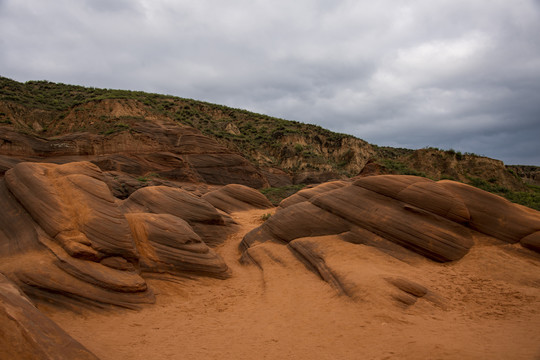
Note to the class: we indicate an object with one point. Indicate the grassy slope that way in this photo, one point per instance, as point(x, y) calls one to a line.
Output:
point(259, 137)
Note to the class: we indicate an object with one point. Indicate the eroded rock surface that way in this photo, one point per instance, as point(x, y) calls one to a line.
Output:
point(66, 238)
point(406, 219)
point(155, 146)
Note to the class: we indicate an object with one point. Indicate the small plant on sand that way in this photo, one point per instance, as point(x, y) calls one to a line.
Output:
point(147, 178)
point(266, 216)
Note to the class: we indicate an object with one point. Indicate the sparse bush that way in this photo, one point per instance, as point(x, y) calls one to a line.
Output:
point(276, 194)
point(400, 168)
point(266, 216)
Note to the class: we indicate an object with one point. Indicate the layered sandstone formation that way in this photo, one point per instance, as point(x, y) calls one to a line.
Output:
point(405, 218)
point(133, 144)
point(66, 238)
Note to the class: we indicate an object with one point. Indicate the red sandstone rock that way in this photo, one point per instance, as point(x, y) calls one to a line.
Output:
point(426, 217)
point(236, 197)
point(28, 334)
point(64, 218)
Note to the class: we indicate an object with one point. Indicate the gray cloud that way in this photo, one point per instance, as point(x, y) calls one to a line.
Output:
point(452, 74)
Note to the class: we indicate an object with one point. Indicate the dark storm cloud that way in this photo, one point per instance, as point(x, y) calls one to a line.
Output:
point(451, 74)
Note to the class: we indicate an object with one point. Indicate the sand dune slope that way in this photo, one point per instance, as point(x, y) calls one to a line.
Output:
point(484, 306)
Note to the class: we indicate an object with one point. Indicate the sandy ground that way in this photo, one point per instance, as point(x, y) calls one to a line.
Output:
point(491, 311)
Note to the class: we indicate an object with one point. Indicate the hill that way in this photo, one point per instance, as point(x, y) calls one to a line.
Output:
point(281, 152)
point(114, 201)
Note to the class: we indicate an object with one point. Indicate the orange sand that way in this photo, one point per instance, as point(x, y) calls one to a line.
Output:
point(491, 311)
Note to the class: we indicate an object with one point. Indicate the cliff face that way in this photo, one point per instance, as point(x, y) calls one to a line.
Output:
point(122, 137)
point(466, 168)
point(529, 174)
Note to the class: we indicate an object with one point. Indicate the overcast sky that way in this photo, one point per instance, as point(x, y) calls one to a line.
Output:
point(461, 74)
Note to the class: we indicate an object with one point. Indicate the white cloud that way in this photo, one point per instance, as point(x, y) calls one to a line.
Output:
point(414, 74)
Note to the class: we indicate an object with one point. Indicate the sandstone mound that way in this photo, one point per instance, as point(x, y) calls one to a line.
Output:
point(66, 238)
point(167, 243)
point(404, 219)
point(310, 192)
point(234, 197)
point(211, 225)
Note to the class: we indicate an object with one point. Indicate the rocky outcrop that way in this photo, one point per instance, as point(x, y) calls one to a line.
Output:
point(513, 222)
point(532, 241)
point(276, 177)
point(529, 174)
point(310, 192)
point(139, 146)
point(401, 216)
point(440, 164)
point(94, 248)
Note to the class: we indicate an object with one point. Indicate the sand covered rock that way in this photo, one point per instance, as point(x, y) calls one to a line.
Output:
point(420, 192)
point(72, 204)
point(342, 208)
point(532, 241)
point(178, 202)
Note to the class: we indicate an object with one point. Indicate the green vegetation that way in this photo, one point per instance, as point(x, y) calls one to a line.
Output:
point(457, 154)
point(527, 198)
point(400, 168)
point(262, 139)
point(276, 194)
point(147, 178)
point(116, 128)
point(258, 133)
point(266, 216)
